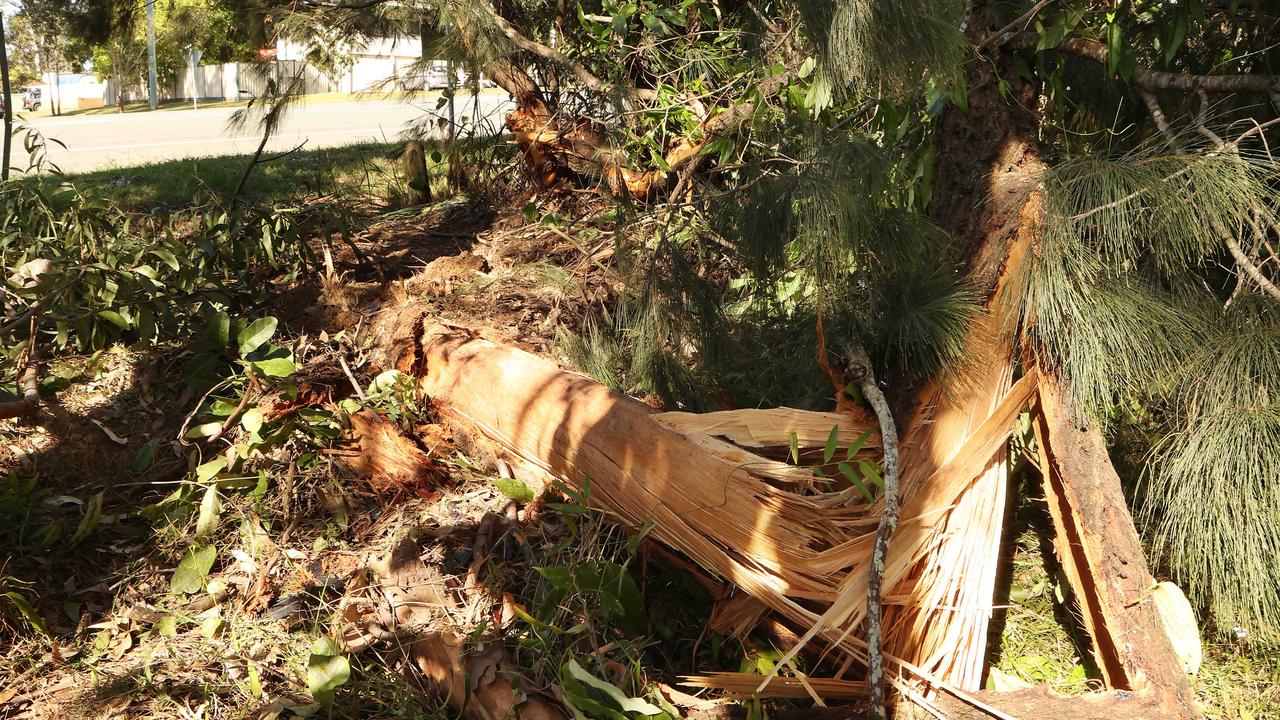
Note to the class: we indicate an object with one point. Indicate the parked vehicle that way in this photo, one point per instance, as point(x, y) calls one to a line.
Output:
point(31, 99)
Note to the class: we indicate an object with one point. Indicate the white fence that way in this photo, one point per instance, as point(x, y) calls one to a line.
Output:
point(238, 81)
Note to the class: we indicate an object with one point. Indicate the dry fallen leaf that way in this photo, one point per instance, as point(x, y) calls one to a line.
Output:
point(111, 434)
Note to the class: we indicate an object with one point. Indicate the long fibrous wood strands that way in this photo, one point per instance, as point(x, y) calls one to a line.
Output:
point(742, 516)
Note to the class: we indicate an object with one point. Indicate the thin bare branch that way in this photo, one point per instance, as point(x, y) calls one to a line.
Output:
point(1247, 265)
point(862, 373)
point(1145, 77)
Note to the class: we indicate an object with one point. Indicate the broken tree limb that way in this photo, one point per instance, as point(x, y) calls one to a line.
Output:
point(385, 457)
point(1041, 703)
point(29, 385)
point(724, 509)
point(1100, 550)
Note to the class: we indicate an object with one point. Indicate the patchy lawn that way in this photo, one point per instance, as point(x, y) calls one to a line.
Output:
point(361, 168)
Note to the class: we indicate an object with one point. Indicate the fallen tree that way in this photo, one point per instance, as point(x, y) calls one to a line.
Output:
point(760, 525)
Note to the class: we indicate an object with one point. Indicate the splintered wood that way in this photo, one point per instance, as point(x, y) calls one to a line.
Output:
point(799, 548)
point(800, 545)
point(746, 518)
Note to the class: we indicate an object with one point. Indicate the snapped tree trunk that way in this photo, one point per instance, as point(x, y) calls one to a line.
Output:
point(986, 196)
point(730, 512)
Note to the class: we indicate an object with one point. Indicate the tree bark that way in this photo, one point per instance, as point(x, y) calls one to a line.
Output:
point(8, 102)
point(1104, 559)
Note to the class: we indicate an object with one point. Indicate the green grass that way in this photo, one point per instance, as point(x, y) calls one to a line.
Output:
point(179, 183)
point(1236, 683)
point(1035, 644)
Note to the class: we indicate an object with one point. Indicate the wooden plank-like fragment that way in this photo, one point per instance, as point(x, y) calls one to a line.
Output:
point(1104, 559)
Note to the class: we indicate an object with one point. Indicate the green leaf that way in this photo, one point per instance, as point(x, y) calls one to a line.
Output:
point(960, 92)
point(818, 96)
point(275, 367)
point(326, 671)
point(222, 407)
point(653, 23)
point(830, 450)
point(191, 572)
point(259, 490)
point(1120, 58)
point(856, 481)
point(857, 444)
point(169, 259)
point(167, 626)
point(146, 455)
point(1053, 35)
point(558, 576)
point(1172, 34)
point(220, 330)
point(92, 514)
point(210, 470)
point(257, 333)
point(627, 704)
point(210, 509)
point(633, 542)
point(114, 318)
point(27, 612)
point(385, 380)
point(202, 370)
point(252, 420)
point(795, 448)
point(515, 490)
point(806, 67)
point(871, 472)
point(203, 430)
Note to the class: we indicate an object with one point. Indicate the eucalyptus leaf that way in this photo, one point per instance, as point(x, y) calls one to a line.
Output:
point(626, 704)
point(210, 470)
point(190, 574)
point(830, 450)
point(210, 509)
point(515, 490)
point(256, 334)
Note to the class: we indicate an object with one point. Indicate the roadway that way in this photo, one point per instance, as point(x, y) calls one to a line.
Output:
point(99, 142)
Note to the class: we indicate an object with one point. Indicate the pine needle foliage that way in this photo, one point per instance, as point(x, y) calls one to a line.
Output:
point(1125, 296)
point(1112, 283)
point(880, 275)
point(885, 46)
point(1211, 493)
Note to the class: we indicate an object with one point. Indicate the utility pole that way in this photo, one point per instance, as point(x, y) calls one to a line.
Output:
point(153, 90)
point(193, 55)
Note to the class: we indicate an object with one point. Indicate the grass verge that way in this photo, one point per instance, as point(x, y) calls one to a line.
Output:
point(360, 167)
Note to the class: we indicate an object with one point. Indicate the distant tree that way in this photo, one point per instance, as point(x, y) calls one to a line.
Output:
point(113, 36)
point(25, 50)
point(42, 44)
point(123, 59)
